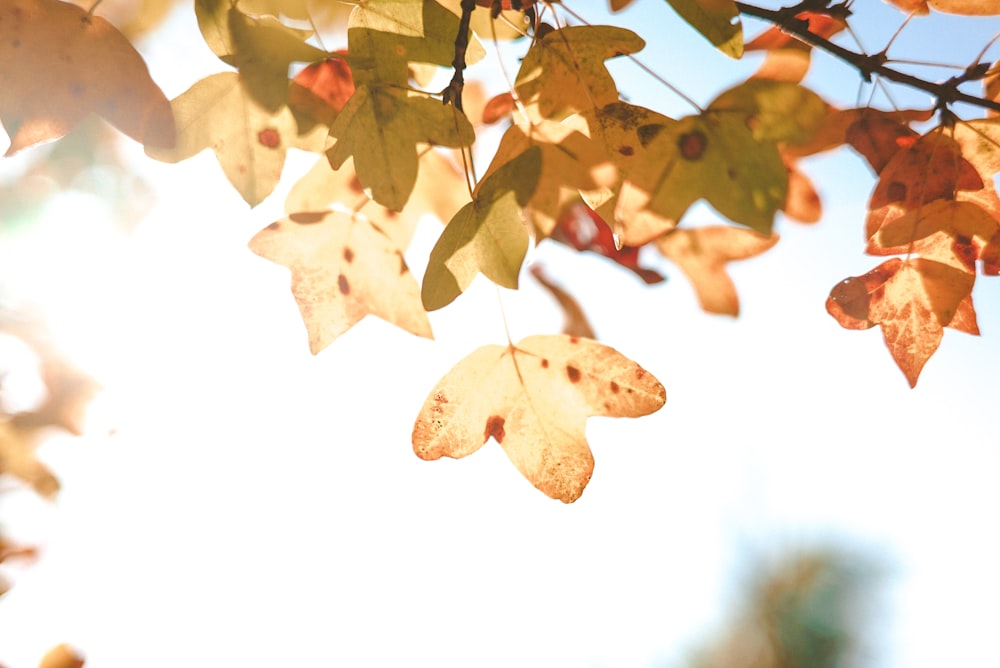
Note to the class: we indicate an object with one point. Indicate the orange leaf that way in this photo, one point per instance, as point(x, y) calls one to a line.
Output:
point(878, 137)
point(342, 270)
point(932, 168)
point(60, 64)
point(534, 400)
point(833, 131)
point(61, 656)
point(322, 89)
point(912, 300)
point(702, 254)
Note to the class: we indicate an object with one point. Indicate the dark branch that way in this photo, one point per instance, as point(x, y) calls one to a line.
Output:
point(944, 93)
point(453, 93)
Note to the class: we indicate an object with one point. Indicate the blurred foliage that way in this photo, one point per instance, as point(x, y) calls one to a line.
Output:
point(806, 611)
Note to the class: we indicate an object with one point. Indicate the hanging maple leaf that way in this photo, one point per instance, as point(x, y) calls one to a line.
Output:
point(488, 235)
point(564, 71)
point(320, 91)
point(249, 140)
point(702, 254)
point(59, 63)
point(381, 126)
point(343, 268)
point(533, 399)
point(913, 300)
point(261, 48)
point(717, 20)
point(713, 157)
point(584, 229)
point(949, 231)
point(930, 168)
point(385, 36)
point(570, 162)
point(440, 190)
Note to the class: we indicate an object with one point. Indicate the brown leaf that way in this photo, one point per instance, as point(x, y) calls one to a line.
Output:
point(534, 399)
point(913, 300)
point(68, 64)
point(576, 320)
point(702, 254)
point(343, 269)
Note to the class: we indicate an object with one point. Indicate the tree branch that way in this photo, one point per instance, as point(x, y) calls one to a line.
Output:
point(944, 93)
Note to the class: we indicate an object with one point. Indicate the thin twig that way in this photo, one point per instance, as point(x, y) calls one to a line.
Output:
point(945, 93)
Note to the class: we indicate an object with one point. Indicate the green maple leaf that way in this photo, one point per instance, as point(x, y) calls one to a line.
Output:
point(381, 127)
point(779, 111)
point(717, 20)
point(261, 48)
point(488, 235)
point(249, 140)
point(384, 36)
point(714, 157)
point(564, 72)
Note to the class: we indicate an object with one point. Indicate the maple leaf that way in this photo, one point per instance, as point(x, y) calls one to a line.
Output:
point(342, 270)
point(967, 7)
point(381, 127)
point(913, 300)
point(778, 111)
point(321, 90)
point(702, 254)
point(533, 399)
point(930, 168)
point(487, 235)
point(440, 190)
point(570, 162)
point(944, 230)
point(564, 71)
point(249, 140)
point(717, 20)
point(59, 63)
point(384, 36)
point(713, 157)
point(584, 229)
point(261, 48)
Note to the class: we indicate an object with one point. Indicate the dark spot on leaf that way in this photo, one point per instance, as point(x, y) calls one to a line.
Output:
point(574, 339)
point(692, 144)
point(306, 217)
point(614, 387)
point(640, 372)
point(269, 137)
point(345, 287)
point(494, 428)
point(348, 254)
point(896, 191)
point(15, 42)
point(732, 173)
point(647, 133)
point(545, 363)
point(573, 373)
point(965, 251)
point(626, 150)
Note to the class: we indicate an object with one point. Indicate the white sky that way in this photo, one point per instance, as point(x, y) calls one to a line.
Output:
point(259, 506)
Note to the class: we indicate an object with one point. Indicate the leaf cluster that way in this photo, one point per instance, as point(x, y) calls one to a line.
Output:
point(576, 163)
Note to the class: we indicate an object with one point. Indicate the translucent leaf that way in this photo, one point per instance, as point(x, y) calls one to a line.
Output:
point(534, 399)
point(717, 20)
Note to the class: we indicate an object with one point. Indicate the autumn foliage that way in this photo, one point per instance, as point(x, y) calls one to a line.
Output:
point(576, 163)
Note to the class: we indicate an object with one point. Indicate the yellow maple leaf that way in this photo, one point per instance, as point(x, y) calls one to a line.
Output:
point(343, 268)
point(533, 399)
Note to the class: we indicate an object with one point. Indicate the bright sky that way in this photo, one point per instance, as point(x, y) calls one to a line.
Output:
point(259, 506)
